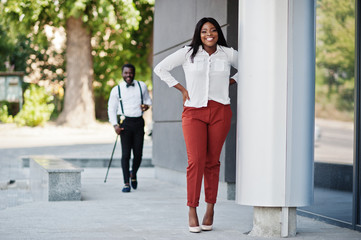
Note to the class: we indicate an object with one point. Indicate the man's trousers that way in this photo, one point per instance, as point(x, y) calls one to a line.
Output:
point(132, 138)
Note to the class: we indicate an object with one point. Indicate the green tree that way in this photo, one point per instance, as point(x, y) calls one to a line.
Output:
point(6, 47)
point(112, 55)
point(335, 41)
point(91, 27)
point(14, 51)
point(335, 52)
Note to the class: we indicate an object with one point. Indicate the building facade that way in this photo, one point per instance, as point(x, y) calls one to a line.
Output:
point(174, 23)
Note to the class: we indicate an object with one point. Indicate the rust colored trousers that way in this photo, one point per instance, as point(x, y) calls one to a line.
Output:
point(205, 130)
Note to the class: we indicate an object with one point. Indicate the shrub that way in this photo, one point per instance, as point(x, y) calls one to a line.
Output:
point(4, 115)
point(36, 109)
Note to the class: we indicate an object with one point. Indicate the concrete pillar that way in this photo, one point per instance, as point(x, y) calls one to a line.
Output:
point(274, 221)
point(275, 113)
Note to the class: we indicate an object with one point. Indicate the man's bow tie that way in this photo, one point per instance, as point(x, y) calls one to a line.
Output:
point(130, 84)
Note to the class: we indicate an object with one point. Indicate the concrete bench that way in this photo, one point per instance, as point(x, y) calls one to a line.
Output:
point(53, 179)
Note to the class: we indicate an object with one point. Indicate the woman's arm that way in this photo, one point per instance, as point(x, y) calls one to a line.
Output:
point(183, 91)
point(234, 63)
point(167, 64)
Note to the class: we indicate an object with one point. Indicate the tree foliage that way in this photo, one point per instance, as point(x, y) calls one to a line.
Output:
point(335, 39)
point(114, 26)
point(112, 53)
point(14, 51)
point(335, 51)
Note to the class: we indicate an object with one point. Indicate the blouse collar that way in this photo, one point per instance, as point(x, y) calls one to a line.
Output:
point(201, 49)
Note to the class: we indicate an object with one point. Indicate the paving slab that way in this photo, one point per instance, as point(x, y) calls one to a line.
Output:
point(156, 210)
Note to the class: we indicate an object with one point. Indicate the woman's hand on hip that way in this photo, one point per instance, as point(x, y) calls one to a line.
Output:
point(183, 91)
point(185, 96)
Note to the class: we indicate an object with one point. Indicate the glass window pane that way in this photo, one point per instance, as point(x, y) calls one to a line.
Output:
point(334, 110)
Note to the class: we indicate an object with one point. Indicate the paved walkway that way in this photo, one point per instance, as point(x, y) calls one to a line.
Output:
point(156, 210)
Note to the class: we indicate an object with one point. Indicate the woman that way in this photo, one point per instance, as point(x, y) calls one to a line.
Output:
point(206, 117)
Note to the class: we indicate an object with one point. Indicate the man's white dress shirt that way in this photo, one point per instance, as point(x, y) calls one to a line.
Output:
point(131, 99)
point(207, 77)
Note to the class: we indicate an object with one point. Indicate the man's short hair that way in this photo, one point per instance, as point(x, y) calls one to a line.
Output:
point(128, 65)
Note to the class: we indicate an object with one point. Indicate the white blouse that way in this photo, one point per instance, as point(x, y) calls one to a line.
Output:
point(207, 78)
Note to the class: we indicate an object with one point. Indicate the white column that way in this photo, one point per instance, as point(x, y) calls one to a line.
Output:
point(275, 120)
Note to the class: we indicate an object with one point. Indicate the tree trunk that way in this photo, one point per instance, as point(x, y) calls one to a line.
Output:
point(79, 107)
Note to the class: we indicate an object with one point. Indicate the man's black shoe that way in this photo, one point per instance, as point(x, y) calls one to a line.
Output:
point(134, 183)
point(126, 188)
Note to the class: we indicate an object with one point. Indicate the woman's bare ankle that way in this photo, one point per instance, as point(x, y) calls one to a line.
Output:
point(193, 217)
point(208, 216)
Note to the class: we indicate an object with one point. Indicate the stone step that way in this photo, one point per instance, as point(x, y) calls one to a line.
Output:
point(94, 162)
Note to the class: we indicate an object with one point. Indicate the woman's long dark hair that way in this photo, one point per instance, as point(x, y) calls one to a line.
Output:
point(196, 41)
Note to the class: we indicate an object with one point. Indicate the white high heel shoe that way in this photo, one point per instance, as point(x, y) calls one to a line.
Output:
point(195, 229)
point(207, 227)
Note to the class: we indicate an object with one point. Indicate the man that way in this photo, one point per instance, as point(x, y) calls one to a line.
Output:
point(126, 105)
